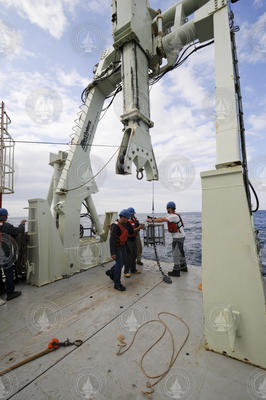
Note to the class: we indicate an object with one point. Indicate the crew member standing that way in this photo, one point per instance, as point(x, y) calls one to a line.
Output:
point(7, 233)
point(176, 228)
point(118, 239)
point(131, 245)
point(138, 240)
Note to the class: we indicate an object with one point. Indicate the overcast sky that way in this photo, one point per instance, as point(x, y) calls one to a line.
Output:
point(50, 47)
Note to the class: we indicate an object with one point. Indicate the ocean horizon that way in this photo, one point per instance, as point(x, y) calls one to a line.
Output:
point(192, 222)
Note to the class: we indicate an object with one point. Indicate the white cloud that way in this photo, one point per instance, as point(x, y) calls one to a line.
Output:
point(181, 127)
point(47, 14)
point(257, 124)
point(252, 41)
point(72, 78)
point(258, 3)
point(11, 40)
point(100, 6)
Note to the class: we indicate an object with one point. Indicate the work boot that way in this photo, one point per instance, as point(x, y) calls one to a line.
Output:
point(127, 274)
point(119, 286)
point(175, 272)
point(137, 271)
point(139, 263)
point(13, 295)
point(183, 268)
point(2, 302)
point(109, 273)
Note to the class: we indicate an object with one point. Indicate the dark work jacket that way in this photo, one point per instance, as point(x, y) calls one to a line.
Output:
point(114, 236)
point(9, 229)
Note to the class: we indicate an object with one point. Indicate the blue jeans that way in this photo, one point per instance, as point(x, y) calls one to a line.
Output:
point(120, 261)
point(131, 250)
point(9, 274)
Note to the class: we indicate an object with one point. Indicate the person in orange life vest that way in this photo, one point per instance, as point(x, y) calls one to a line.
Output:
point(131, 245)
point(118, 239)
point(176, 228)
point(138, 240)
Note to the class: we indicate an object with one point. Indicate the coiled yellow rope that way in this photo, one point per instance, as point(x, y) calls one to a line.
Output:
point(173, 356)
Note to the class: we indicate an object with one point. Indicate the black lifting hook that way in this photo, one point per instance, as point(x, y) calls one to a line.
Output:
point(140, 174)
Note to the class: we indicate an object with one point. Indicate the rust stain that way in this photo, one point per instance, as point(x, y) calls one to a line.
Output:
point(8, 354)
point(93, 304)
point(224, 353)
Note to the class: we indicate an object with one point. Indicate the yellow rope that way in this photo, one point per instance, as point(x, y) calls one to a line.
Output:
point(173, 356)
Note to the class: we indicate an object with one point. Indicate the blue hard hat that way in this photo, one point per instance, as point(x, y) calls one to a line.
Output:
point(171, 204)
point(131, 211)
point(124, 213)
point(3, 212)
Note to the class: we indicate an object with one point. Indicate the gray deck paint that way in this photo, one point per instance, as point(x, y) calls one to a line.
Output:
point(87, 307)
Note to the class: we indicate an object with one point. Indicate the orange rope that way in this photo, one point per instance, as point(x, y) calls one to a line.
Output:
point(173, 356)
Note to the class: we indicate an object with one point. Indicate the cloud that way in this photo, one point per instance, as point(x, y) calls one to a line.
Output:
point(100, 6)
point(47, 14)
point(257, 124)
point(258, 3)
point(183, 127)
point(11, 40)
point(252, 41)
point(72, 78)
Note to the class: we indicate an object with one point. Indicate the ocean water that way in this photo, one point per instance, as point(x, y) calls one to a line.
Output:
point(192, 222)
point(192, 244)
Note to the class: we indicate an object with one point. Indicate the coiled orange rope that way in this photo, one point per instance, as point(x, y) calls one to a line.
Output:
point(173, 356)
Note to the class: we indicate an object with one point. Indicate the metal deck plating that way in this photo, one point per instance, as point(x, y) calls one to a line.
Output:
point(87, 307)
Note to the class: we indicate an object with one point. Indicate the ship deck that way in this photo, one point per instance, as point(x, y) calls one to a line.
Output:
point(87, 307)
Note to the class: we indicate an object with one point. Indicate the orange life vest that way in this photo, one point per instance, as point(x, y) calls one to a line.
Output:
point(133, 221)
point(175, 226)
point(121, 240)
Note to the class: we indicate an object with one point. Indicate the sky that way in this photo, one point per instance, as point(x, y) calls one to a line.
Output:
point(48, 50)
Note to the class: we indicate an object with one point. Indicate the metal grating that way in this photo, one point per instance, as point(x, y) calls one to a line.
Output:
point(7, 145)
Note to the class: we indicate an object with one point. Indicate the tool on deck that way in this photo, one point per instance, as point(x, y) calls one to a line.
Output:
point(54, 344)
